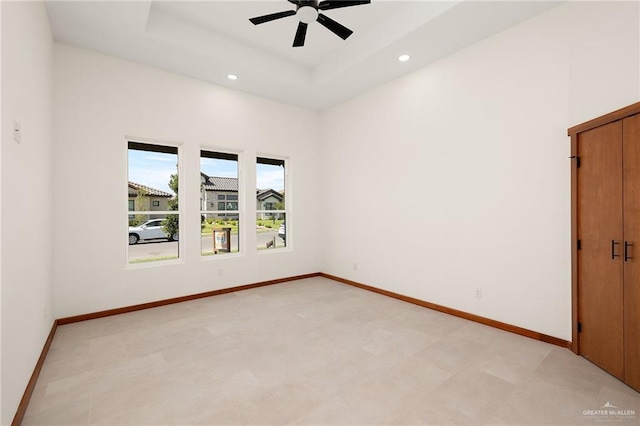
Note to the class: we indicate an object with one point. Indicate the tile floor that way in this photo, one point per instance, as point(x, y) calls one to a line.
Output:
point(313, 352)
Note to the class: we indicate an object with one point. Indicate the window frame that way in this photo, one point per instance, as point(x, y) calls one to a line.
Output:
point(170, 145)
point(221, 199)
point(287, 201)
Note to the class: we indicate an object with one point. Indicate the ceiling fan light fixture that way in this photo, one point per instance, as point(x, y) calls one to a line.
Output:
point(232, 76)
point(308, 11)
point(307, 14)
point(404, 58)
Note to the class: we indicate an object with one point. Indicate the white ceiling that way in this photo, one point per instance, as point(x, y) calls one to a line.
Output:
point(208, 40)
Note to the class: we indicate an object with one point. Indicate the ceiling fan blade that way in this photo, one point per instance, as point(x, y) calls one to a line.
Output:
point(301, 33)
point(335, 4)
point(272, 17)
point(338, 29)
point(296, 2)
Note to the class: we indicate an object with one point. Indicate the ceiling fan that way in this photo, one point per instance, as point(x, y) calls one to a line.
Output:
point(308, 11)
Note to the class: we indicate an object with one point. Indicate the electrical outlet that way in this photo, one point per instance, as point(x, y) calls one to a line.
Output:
point(16, 131)
point(479, 293)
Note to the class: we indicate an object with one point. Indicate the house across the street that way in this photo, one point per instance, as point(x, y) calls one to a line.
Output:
point(221, 194)
point(268, 199)
point(145, 198)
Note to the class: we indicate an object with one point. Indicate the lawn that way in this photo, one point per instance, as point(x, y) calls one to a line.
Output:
point(262, 225)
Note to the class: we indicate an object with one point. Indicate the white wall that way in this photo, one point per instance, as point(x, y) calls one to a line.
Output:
point(27, 220)
point(465, 165)
point(603, 47)
point(1, 138)
point(98, 100)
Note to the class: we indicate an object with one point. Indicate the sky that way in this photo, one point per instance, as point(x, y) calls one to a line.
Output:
point(154, 169)
point(268, 176)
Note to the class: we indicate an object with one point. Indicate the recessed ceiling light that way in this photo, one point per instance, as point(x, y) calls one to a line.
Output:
point(404, 58)
point(232, 77)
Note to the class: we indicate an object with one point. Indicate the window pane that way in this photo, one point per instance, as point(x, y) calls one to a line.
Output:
point(270, 203)
point(153, 176)
point(154, 238)
point(270, 175)
point(271, 231)
point(220, 235)
point(219, 219)
point(152, 186)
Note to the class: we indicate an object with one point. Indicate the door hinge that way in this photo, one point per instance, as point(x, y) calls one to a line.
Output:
point(579, 245)
point(579, 327)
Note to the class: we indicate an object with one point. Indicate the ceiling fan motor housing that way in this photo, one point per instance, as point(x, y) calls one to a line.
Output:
point(307, 11)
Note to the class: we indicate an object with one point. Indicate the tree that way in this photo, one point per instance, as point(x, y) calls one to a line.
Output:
point(170, 225)
point(141, 205)
point(279, 206)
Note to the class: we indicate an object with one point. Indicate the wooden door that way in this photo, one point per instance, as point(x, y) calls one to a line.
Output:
point(631, 173)
point(600, 231)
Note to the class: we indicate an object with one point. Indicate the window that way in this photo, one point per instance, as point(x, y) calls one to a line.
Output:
point(271, 208)
point(132, 206)
point(220, 226)
point(152, 173)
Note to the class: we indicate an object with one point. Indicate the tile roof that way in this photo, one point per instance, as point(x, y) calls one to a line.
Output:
point(134, 187)
point(215, 183)
point(263, 194)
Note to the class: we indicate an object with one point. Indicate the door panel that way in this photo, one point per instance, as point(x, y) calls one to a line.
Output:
point(631, 173)
point(600, 222)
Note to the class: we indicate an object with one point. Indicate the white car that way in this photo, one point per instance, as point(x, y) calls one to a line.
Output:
point(150, 230)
